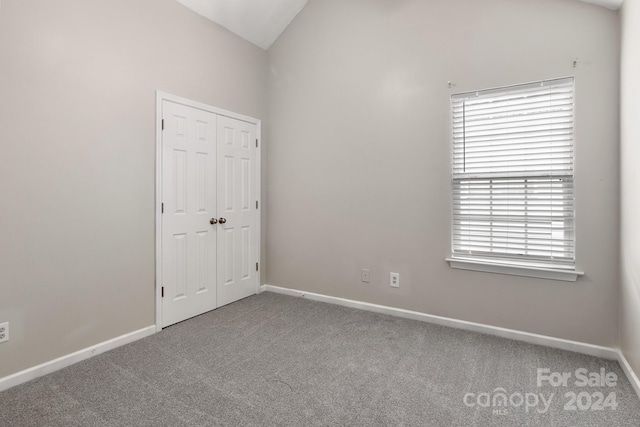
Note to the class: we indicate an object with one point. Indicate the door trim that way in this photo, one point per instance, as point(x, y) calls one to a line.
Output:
point(163, 96)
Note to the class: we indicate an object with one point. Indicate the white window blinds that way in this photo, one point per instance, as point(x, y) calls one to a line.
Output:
point(513, 197)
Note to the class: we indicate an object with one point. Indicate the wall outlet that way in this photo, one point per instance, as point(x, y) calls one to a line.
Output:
point(394, 280)
point(4, 331)
point(364, 276)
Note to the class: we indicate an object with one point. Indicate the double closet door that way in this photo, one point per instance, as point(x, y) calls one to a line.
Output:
point(209, 226)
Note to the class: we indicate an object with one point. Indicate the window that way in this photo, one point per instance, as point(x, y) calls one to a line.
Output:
point(512, 176)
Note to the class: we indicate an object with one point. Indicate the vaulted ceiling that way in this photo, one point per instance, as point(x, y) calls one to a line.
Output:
point(262, 21)
point(258, 21)
point(609, 4)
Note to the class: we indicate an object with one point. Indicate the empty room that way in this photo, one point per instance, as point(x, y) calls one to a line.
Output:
point(320, 213)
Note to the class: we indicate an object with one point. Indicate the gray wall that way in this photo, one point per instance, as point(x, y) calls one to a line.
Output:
point(77, 127)
point(630, 185)
point(359, 173)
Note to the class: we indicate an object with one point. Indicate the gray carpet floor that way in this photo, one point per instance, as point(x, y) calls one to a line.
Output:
point(273, 360)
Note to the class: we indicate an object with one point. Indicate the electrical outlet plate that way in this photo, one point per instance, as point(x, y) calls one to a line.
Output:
point(364, 276)
point(394, 280)
point(4, 331)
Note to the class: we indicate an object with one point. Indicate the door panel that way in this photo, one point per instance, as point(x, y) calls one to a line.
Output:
point(237, 195)
point(189, 241)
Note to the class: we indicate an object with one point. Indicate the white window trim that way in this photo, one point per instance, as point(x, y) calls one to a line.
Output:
point(514, 267)
point(567, 275)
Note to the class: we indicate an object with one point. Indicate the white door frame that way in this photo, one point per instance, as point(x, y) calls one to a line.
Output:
point(160, 97)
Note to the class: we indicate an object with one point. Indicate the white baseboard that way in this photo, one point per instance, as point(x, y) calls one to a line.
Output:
point(69, 359)
point(559, 343)
point(575, 346)
point(589, 349)
point(628, 371)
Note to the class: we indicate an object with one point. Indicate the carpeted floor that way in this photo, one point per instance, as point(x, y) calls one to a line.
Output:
point(273, 360)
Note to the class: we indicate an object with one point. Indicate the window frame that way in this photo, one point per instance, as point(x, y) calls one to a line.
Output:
point(518, 264)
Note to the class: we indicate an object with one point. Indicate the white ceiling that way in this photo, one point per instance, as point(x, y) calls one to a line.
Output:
point(609, 4)
point(258, 21)
point(262, 21)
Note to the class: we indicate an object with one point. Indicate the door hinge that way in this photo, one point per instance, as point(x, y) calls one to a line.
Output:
point(162, 208)
point(162, 292)
point(256, 142)
point(256, 204)
point(256, 266)
point(162, 124)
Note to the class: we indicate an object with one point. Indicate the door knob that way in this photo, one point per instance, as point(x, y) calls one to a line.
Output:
point(222, 220)
point(213, 221)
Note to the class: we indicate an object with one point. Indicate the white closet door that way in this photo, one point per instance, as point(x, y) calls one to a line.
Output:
point(237, 197)
point(189, 240)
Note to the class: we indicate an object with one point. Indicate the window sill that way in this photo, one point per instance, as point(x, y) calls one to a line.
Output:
point(515, 270)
